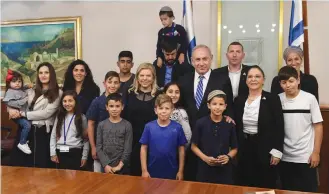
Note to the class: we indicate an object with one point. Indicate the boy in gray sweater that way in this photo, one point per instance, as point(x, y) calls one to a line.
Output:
point(16, 97)
point(114, 138)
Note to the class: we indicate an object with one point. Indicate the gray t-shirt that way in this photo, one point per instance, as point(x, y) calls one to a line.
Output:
point(114, 142)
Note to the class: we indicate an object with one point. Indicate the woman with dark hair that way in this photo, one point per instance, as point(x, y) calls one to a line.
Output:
point(172, 89)
point(78, 77)
point(68, 148)
point(293, 56)
point(43, 103)
point(260, 131)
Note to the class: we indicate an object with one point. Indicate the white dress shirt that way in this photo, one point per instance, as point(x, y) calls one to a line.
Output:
point(204, 81)
point(235, 80)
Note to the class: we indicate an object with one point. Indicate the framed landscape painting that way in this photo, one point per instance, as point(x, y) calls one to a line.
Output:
point(27, 43)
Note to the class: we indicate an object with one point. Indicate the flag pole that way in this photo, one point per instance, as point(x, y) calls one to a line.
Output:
point(305, 43)
point(280, 52)
point(187, 22)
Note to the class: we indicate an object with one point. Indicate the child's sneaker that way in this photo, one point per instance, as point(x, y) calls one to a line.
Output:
point(25, 148)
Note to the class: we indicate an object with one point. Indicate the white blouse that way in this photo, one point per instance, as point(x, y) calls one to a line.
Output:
point(250, 116)
point(250, 121)
point(180, 116)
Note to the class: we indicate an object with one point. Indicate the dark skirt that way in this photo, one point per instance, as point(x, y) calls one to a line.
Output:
point(252, 171)
point(70, 160)
point(39, 144)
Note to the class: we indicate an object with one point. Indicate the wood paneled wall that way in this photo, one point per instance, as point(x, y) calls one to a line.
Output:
point(324, 163)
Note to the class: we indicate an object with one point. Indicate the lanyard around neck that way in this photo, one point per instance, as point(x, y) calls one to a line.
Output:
point(65, 133)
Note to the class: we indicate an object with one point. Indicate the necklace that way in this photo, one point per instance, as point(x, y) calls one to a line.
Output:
point(252, 99)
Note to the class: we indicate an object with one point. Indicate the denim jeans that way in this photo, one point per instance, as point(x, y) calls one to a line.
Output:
point(25, 125)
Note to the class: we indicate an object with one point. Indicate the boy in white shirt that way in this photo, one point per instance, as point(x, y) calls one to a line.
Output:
point(303, 134)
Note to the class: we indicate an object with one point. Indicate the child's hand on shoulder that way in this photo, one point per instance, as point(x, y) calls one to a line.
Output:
point(108, 169)
point(146, 174)
point(229, 120)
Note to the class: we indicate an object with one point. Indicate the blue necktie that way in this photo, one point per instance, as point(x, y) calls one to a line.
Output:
point(199, 92)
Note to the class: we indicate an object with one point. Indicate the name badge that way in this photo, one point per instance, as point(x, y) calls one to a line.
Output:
point(64, 148)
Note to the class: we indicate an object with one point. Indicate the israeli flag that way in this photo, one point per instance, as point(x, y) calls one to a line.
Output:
point(188, 25)
point(296, 30)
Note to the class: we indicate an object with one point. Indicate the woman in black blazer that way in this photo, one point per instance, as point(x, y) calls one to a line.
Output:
point(294, 56)
point(260, 129)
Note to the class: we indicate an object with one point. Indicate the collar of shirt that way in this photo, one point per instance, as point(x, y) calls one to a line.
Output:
point(228, 66)
point(206, 76)
point(170, 65)
point(204, 81)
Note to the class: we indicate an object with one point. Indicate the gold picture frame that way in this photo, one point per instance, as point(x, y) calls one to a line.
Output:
point(27, 43)
point(219, 33)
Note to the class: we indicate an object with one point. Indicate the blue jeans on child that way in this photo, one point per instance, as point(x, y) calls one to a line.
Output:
point(25, 125)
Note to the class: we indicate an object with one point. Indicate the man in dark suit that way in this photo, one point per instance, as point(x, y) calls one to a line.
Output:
point(235, 69)
point(196, 103)
point(196, 86)
point(171, 70)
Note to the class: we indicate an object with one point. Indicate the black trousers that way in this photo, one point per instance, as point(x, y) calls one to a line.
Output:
point(70, 160)
point(298, 177)
point(135, 161)
point(39, 144)
point(252, 171)
point(191, 167)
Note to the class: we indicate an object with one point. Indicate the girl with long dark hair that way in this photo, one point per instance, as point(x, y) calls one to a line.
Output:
point(172, 89)
point(67, 146)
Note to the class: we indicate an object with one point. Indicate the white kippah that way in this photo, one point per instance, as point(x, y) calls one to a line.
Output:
point(215, 93)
